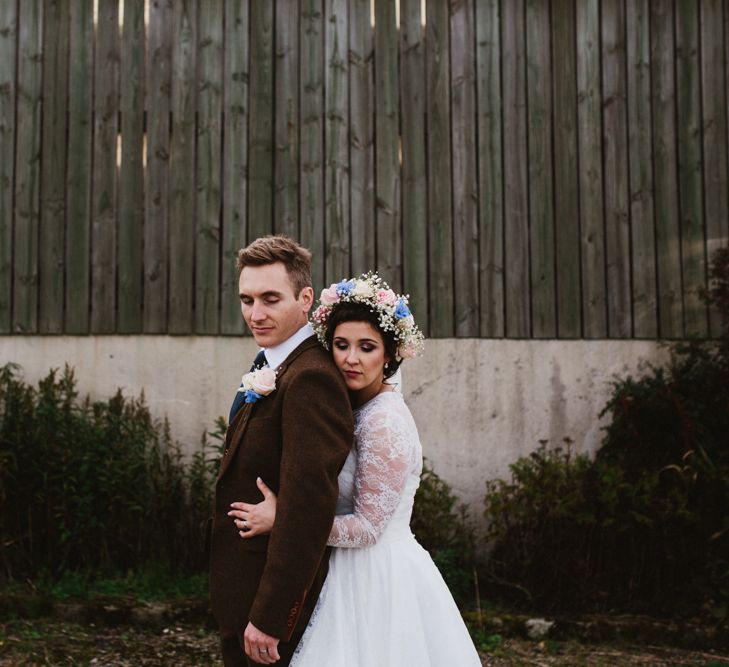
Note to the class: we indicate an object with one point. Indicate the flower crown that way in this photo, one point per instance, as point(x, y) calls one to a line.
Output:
point(392, 310)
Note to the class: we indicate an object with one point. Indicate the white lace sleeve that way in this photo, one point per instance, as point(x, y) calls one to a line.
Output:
point(384, 461)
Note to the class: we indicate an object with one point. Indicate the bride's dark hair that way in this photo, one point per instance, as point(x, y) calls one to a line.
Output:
point(359, 312)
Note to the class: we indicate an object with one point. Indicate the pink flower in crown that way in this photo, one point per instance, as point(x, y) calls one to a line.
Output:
point(329, 296)
point(386, 296)
point(407, 351)
point(321, 314)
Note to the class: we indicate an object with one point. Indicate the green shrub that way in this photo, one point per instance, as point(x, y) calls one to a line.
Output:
point(94, 486)
point(440, 525)
point(645, 525)
point(567, 532)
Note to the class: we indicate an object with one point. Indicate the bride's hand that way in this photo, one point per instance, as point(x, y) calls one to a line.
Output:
point(255, 519)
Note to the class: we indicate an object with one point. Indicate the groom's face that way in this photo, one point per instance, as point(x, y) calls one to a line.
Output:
point(270, 308)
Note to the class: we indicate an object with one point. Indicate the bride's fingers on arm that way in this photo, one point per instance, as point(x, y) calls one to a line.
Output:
point(237, 514)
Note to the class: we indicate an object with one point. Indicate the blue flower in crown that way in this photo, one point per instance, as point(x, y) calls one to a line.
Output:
point(401, 309)
point(345, 287)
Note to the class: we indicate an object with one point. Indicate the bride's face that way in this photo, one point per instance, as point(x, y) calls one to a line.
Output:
point(359, 353)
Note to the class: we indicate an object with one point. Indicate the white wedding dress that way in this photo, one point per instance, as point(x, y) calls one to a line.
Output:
point(384, 603)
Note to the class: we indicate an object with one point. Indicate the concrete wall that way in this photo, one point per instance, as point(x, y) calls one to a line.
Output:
point(479, 404)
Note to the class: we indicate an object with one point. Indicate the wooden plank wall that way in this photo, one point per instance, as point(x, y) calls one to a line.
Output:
point(522, 168)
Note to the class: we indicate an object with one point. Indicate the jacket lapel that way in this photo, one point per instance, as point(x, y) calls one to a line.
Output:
point(238, 426)
point(240, 421)
point(310, 342)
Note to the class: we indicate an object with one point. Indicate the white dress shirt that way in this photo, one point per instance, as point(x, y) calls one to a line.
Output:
point(277, 354)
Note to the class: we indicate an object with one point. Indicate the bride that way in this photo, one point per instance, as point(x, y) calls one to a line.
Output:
point(384, 603)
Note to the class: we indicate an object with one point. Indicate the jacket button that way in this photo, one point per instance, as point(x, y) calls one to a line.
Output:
point(225, 453)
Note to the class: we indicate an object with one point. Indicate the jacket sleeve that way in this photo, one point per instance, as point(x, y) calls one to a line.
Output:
point(316, 438)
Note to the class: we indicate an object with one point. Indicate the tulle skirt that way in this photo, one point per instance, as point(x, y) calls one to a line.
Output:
point(385, 606)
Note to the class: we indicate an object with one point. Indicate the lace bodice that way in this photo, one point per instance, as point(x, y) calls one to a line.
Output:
point(378, 482)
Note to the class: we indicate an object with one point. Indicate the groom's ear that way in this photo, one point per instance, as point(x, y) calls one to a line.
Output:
point(306, 297)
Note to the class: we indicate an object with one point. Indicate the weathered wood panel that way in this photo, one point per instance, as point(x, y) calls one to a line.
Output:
point(8, 50)
point(640, 140)
point(53, 166)
point(157, 170)
point(440, 243)
point(235, 159)
point(490, 185)
point(516, 195)
point(260, 130)
point(387, 148)
point(104, 187)
point(311, 85)
point(690, 187)
point(665, 161)
point(182, 169)
point(615, 156)
point(541, 177)
point(361, 137)
point(208, 165)
point(714, 127)
point(465, 181)
point(336, 142)
point(566, 176)
point(286, 120)
point(589, 123)
point(78, 178)
point(130, 251)
point(414, 176)
point(27, 167)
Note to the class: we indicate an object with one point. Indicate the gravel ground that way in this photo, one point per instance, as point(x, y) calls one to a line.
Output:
point(49, 642)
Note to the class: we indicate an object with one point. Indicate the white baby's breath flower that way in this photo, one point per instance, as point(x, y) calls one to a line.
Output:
point(363, 290)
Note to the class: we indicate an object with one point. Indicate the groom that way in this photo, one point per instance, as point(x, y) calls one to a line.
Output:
point(295, 438)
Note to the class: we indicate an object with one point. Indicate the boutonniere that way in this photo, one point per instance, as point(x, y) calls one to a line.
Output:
point(258, 383)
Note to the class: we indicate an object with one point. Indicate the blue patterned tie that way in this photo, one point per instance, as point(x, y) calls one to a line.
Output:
point(240, 398)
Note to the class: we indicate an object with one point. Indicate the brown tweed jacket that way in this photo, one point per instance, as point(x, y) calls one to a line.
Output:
point(296, 439)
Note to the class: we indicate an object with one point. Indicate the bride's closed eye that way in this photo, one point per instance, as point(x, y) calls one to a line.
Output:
point(365, 346)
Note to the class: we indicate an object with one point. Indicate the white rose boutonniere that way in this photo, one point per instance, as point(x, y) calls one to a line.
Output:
point(258, 383)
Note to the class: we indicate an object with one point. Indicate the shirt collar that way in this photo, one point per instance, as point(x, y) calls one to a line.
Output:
point(277, 354)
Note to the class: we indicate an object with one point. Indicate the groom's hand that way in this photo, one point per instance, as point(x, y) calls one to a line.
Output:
point(259, 646)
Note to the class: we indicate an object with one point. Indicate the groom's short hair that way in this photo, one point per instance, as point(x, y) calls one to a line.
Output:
point(279, 248)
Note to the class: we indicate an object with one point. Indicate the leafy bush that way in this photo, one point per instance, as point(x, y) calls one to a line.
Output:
point(571, 533)
point(154, 582)
point(440, 525)
point(94, 486)
point(645, 525)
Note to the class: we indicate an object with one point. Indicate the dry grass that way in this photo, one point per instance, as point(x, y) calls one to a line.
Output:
point(54, 643)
